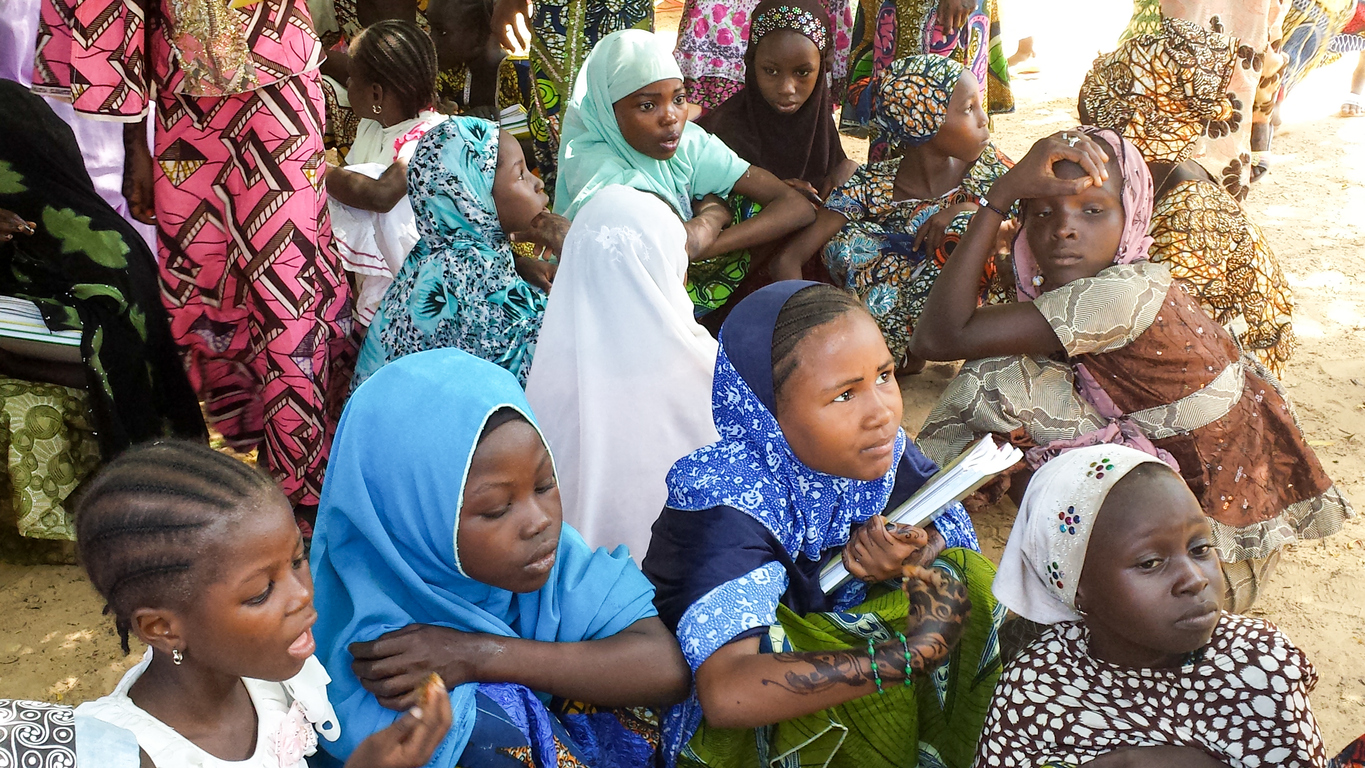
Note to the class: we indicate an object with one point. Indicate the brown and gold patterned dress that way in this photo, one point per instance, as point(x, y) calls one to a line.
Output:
point(1176, 375)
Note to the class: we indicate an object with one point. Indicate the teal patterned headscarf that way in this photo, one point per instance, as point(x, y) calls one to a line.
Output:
point(459, 286)
point(911, 101)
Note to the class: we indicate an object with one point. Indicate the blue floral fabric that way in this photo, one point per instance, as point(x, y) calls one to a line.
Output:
point(513, 728)
point(753, 469)
point(459, 286)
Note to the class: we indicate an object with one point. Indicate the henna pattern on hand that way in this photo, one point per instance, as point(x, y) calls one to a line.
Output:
point(829, 669)
point(939, 607)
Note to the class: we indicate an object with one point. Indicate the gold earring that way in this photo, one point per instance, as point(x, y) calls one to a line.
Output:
point(375, 108)
point(176, 656)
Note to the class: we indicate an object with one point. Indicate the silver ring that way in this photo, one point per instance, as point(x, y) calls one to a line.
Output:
point(1071, 140)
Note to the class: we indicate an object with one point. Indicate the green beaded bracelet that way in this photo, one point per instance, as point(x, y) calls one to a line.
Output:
point(906, 645)
point(876, 676)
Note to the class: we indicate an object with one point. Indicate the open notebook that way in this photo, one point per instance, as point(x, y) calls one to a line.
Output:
point(959, 479)
point(23, 332)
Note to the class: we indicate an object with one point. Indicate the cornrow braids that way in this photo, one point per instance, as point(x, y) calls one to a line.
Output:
point(146, 521)
point(399, 57)
point(806, 310)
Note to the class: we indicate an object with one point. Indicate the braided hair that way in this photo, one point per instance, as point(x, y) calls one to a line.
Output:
point(806, 310)
point(147, 521)
point(399, 57)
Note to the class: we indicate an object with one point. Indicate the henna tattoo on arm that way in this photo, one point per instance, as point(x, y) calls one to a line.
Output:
point(827, 670)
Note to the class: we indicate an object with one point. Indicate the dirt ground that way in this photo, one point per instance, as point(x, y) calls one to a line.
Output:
point(58, 647)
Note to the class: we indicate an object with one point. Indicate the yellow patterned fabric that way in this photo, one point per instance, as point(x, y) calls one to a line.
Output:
point(51, 448)
point(1208, 242)
point(1161, 89)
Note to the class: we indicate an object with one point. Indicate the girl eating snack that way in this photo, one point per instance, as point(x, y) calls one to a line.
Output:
point(440, 549)
point(198, 555)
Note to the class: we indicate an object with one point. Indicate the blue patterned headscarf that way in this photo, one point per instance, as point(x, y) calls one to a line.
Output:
point(459, 286)
point(386, 550)
point(752, 467)
point(911, 101)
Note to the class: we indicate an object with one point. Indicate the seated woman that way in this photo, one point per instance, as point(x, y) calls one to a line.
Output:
point(810, 458)
point(393, 86)
point(627, 124)
point(622, 387)
point(1138, 667)
point(1104, 347)
point(64, 249)
point(1161, 91)
point(461, 286)
point(783, 122)
point(886, 232)
point(440, 549)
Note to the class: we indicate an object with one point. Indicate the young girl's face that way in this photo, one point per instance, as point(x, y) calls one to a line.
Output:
point(255, 617)
point(966, 129)
point(1076, 236)
point(652, 119)
point(510, 519)
point(518, 194)
point(841, 408)
point(787, 68)
point(1151, 585)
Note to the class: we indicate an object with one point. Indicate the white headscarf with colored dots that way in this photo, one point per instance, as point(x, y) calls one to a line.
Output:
point(1042, 563)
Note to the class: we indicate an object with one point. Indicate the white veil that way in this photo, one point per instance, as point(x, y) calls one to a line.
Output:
point(621, 380)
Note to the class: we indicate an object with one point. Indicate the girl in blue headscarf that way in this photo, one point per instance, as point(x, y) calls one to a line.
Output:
point(811, 454)
point(440, 549)
point(461, 286)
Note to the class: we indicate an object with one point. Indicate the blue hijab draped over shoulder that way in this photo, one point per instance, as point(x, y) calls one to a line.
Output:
point(386, 551)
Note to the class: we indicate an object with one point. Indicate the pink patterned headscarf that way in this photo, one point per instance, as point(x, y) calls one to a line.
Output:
point(1137, 198)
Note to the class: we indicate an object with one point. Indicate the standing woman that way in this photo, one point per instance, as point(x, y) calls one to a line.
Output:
point(258, 302)
point(966, 31)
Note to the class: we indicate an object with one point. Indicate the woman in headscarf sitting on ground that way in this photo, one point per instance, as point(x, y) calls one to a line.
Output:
point(783, 122)
point(1104, 346)
point(1161, 91)
point(1137, 666)
point(887, 231)
point(811, 457)
point(440, 549)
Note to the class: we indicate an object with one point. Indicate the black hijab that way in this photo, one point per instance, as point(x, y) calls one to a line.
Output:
point(803, 145)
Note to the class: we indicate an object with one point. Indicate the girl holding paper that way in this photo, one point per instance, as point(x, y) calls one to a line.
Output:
point(811, 454)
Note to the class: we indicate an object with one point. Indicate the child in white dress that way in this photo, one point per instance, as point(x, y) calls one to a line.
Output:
point(198, 556)
point(392, 88)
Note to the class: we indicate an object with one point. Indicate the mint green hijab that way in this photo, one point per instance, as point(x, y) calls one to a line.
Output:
point(592, 152)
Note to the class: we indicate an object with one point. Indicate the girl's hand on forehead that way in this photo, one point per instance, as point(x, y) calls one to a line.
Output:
point(1034, 176)
point(413, 738)
point(395, 666)
point(878, 550)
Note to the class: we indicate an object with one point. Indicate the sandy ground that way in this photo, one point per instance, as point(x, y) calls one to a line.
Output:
point(57, 646)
